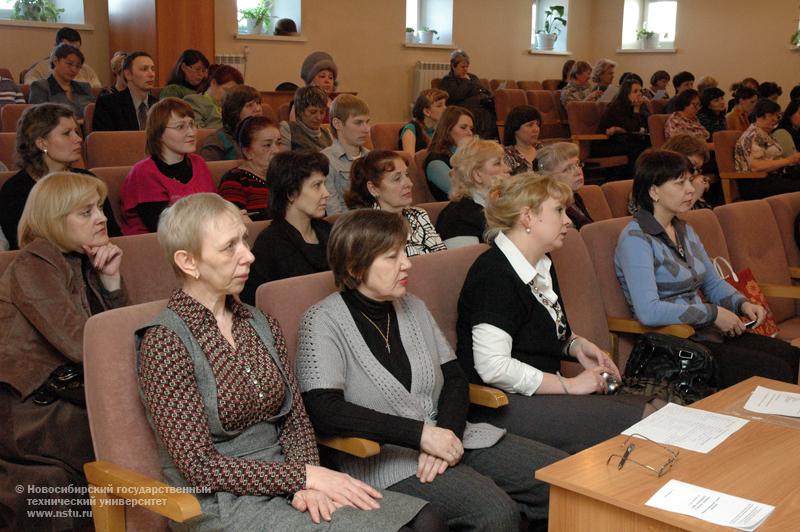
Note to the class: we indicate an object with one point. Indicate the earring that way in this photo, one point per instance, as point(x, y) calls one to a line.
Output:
point(44, 150)
point(528, 230)
point(197, 275)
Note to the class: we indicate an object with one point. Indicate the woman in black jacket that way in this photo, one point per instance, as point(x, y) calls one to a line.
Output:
point(464, 89)
point(625, 123)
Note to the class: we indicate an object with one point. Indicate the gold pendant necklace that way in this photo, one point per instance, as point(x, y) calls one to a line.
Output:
point(384, 336)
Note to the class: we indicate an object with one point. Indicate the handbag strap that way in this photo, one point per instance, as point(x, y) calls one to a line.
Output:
point(722, 260)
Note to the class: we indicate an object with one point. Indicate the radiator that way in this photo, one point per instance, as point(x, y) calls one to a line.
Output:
point(237, 61)
point(424, 72)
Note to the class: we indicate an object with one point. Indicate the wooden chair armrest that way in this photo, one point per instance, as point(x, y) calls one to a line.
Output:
point(590, 136)
point(627, 325)
point(780, 290)
point(742, 175)
point(794, 272)
point(361, 447)
point(487, 396)
point(111, 481)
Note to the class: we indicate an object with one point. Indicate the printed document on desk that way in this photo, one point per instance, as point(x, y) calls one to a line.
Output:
point(709, 505)
point(767, 401)
point(687, 428)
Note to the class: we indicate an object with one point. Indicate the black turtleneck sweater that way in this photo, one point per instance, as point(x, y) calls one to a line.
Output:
point(334, 416)
point(151, 211)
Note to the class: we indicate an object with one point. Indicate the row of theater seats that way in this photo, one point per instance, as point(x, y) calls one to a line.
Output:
point(497, 84)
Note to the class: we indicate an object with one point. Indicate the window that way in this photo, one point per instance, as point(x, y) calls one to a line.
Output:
point(658, 16)
point(277, 10)
point(70, 11)
point(436, 15)
point(539, 10)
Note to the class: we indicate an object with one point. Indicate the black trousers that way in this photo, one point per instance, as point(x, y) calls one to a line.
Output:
point(751, 355)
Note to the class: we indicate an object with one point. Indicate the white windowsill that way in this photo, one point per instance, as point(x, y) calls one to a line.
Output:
point(45, 25)
point(794, 49)
point(534, 51)
point(430, 46)
point(647, 51)
point(267, 37)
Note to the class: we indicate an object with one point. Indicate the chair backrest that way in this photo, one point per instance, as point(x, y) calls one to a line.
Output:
point(530, 85)
point(421, 192)
point(724, 146)
point(8, 145)
point(284, 111)
point(754, 241)
point(386, 135)
point(220, 168)
point(786, 208)
point(113, 177)
point(88, 118)
point(505, 100)
point(617, 194)
point(9, 116)
point(659, 106)
point(26, 90)
point(433, 209)
point(595, 202)
point(115, 148)
point(655, 124)
point(436, 278)
point(550, 84)
point(495, 84)
point(706, 224)
point(145, 271)
point(554, 119)
point(269, 111)
point(584, 119)
point(120, 431)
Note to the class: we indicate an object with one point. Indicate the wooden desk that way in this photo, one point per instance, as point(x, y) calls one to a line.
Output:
point(760, 462)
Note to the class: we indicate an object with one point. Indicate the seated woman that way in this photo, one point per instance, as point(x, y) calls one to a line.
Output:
point(758, 151)
point(684, 119)
point(770, 90)
point(603, 79)
point(246, 185)
point(788, 131)
point(566, 68)
point(465, 90)
point(48, 140)
point(625, 123)
point(578, 88)
point(428, 108)
point(372, 362)
point(379, 180)
point(320, 70)
point(171, 172)
point(240, 102)
point(188, 76)
point(294, 243)
point(658, 86)
point(521, 138)
point(307, 133)
point(455, 126)
point(513, 333)
point(712, 110)
point(242, 432)
point(476, 166)
point(697, 152)
point(738, 118)
point(66, 271)
point(60, 87)
point(663, 269)
point(206, 106)
point(118, 83)
point(560, 160)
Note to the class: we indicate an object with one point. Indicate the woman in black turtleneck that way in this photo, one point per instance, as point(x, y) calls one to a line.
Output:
point(171, 172)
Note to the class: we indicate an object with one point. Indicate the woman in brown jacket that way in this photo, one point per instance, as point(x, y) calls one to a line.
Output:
point(66, 271)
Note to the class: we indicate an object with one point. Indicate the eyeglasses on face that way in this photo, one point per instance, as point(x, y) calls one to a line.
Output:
point(197, 69)
point(182, 127)
point(574, 168)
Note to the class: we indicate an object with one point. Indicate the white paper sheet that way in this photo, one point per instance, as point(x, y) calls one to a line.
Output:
point(709, 505)
point(688, 428)
point(767, 401)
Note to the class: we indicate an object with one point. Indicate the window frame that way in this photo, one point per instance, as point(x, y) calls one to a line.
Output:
point(632, 44)
point(71, 6)
point(435, 14)
point(538, 7)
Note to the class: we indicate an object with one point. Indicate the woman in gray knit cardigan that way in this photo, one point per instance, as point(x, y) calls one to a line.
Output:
point(372, 363)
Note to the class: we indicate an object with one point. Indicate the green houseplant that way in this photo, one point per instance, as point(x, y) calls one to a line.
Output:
point(259, 18)
point(426, 35)
point(649, 38)
point(554, 22)
point(411, 35)
point(38, 10)
point(795, 40)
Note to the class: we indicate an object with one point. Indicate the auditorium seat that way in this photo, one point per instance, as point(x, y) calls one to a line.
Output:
point(655, 125)
point(386, 135)
point(505, 100)
point(6, 73)
point(115, 148)
point(220, 168)
point(724, 145)
point(529, 85)
point(584, 120)
point(786, 208)
point(551, 84)
point(435, 82)
point(618, 194)
point(434, 209)
point(554, 125)
point(88, 118)
point(113, 177)
point(658, 106)
point(421, 192)
point(202, 134)
point(495, 84)
point(284, 111)
point(8, 142)
point(595, 202)
point(9, 116)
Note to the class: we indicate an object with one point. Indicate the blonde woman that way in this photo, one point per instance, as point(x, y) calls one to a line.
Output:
point(476, 165)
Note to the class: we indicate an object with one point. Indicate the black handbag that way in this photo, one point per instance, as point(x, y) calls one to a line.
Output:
point(686, 366)
point(65, 383)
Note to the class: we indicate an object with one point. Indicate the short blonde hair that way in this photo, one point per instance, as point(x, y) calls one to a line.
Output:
point(52, 198)
point(706, 82)
point(468, 158)
point(182, 226)
point(554, 155)
point(510, 195)
point(117, 60)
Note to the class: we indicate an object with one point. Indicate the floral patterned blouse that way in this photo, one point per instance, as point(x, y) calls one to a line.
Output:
point(677, 124)
point(755, 144)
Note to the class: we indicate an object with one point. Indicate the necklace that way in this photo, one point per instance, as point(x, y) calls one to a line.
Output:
point(384, 336)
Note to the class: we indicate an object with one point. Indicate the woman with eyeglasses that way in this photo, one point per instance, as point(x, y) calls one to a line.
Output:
point(171, 172)
point(188, 76)
point(61, 87)
point(560, 160)
point(684, 119)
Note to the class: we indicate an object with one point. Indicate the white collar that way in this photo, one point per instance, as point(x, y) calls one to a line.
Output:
point(524, 270)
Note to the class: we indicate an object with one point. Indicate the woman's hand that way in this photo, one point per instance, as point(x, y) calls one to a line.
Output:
point(106, 259)
point(441, 443)
point(614, 130)
point(316, 503)
point(428, 466)
point(754, 312)
point(591, 356)
point(341, 488)
point(588, 382)
point(728, 322)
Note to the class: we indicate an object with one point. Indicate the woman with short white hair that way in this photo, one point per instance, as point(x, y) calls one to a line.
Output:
point(561, 161)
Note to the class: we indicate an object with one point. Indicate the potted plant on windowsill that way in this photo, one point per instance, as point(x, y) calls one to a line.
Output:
point(554, 21)
point(649, 38)
point(259, 18)
point(426, 35)
point(411, 36)
point(38, 10)
point(795, 40)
